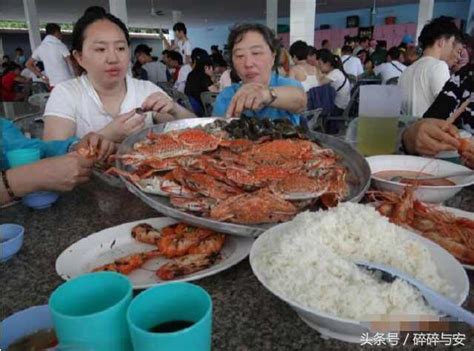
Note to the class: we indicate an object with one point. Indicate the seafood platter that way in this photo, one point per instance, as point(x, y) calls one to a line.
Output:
point(153, 251)
point(239, 177)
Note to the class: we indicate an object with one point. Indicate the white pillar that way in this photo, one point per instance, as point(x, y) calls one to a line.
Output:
point(31, 15)
point(118, 8)
point(425, 14)
point(302, 17)
point(272, 14)
point(470, 18)
point(1, 47)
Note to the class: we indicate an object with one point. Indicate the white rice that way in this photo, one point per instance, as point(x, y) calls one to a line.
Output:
point(312, 264)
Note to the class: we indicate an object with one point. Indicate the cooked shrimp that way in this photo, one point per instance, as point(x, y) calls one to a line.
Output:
point(145, 233)
point(128, 264)
point(211, 244)
point(186, 265)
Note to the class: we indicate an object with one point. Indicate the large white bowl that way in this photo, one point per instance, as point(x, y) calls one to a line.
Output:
point(433, 194)
point(350, 330)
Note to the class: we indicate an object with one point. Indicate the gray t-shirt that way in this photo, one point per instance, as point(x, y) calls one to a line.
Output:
point(156, 71)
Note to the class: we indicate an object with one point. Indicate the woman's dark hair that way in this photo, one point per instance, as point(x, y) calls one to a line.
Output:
point(143, 48)
point(311, 51)
point(180, 27)
point(201, 59)
point(299, 49)
point(11, 66)
point(237, 34)
point(346, 49)
point(438, 28)
point(367, 56)
point(95, 9)
point(175, 56)
point(334, 60)
point(88, 19)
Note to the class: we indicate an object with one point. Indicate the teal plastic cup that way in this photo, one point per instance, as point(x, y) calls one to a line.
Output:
point(90, 311)
point(171, 302)
point(20, 157)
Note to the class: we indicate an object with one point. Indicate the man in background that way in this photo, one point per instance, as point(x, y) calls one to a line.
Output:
point(181, 43)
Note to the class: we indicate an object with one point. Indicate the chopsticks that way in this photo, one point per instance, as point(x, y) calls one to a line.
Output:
point(458, 112)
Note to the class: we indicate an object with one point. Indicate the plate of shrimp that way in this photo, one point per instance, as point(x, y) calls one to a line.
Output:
point(153, 251)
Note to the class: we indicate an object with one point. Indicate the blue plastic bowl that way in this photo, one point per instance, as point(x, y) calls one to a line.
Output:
point(40, 200)
point(11, 239)
point(24, 323)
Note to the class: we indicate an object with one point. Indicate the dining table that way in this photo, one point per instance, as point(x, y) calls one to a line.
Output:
point(246, 316)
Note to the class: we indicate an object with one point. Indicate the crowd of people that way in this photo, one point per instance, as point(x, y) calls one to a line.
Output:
point(104, 98)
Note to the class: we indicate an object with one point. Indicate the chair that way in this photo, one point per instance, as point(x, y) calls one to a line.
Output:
point(39, 100)
point(167, 87)
point(310, 119)
point(182, 99)
point(392, 81)
point(31, 125)
point(208, 99)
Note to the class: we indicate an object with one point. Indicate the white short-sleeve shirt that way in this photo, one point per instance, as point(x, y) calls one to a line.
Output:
point(52, 52)
point(352, 65)
point(180, 83)
point(342, 86)
point(421, 82)
point(184, 48)
point(78, 101)
point(389, 70)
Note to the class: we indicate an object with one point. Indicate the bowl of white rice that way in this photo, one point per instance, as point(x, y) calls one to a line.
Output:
point(309, 263)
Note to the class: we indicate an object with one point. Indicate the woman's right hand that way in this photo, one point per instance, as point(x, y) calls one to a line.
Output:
point(430, 136)
point(62, 173)
point(123, 126)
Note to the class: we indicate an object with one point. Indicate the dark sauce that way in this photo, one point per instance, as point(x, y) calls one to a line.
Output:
point(170, 326)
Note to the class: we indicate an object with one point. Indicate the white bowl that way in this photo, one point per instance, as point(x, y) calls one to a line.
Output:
point(433, 194)
point(351, 330)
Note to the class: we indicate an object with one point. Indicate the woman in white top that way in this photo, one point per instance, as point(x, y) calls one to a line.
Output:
point(105, 98)
point(302, 71)
point(331, 66)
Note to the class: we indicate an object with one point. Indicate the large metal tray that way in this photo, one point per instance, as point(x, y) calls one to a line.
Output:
point(358, 178)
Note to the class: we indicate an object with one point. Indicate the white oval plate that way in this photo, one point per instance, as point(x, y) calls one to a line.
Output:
point(109, 244)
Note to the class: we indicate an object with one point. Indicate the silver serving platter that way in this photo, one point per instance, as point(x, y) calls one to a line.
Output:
point(358, 177)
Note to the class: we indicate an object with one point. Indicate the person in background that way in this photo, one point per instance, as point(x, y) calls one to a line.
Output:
point(372, 46)
point(351, 64)
point(220, 65)
point(393, 68)
point(180, 71)
point(54, 55)
point(422, 81)
point(216, 54)
point(363, 45)
point(456, 58)
point(61, 168)
point(30, 75)
point(200, 79)
point(284, 62)
point(312, 56)
point(410, 56)
point(181, 43)
point(254, 54)
point(10, 78)
point(104, 99)
point(379, 55)
point(20, 58)
point(302, 71)
point(155, 70)
point(325, 44)
point(331, 67)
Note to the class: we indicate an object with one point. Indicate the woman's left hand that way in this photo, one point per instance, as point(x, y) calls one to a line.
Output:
point(251, 96)
point(160, 103)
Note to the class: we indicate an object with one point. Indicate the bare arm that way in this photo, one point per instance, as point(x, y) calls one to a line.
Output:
point(292, 99)
point(57, 128)
point(30, 64)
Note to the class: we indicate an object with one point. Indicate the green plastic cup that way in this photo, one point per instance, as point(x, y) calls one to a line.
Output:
point(172, 302)
point(20, 157)
point(90, 311)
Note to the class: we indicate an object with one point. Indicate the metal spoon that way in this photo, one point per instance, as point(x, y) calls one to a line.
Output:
point(453, 175)
point(435, 300)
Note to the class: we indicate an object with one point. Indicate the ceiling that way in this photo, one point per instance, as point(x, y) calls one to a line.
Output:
point(194, 12)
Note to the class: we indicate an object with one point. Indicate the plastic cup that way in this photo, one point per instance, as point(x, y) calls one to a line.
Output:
point(90, 311)
point(167, 303)
point(20, 157)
